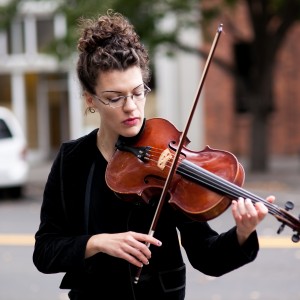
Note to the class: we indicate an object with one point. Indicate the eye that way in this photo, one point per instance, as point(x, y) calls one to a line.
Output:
point(139, 92)
point(115, 99)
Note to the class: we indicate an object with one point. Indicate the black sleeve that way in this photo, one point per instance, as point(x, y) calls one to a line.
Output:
point(57, 248)
point(215, 254)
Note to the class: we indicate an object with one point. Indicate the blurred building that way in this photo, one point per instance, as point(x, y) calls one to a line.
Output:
point(228, 124)
point(44, 93)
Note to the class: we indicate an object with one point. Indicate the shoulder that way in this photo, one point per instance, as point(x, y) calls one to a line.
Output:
point(81, 146)
point(76, 155)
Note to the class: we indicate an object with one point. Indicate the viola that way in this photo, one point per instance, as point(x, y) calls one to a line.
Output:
point(203, 186)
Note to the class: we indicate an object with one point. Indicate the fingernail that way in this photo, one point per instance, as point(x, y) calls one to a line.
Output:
point(159, 243)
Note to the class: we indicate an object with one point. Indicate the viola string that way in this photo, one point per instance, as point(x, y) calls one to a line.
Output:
point(273, 209)
point(214, 181)
point(224, 185)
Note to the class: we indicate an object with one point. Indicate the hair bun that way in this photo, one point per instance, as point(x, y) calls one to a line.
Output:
point(106, 43)
point(107, 30)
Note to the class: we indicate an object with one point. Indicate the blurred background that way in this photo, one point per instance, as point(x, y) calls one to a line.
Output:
point(250, 100)
point(249, 104)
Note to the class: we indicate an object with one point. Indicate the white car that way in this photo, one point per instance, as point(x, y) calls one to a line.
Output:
point(14, 167)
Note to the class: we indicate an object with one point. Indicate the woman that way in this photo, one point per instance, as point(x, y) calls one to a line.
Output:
point(89, 233)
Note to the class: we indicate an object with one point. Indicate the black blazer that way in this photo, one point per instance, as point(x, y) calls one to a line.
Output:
point(62, 236)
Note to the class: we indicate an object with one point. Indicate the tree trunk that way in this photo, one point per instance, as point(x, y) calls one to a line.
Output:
point(259, 139)
point(260, 91)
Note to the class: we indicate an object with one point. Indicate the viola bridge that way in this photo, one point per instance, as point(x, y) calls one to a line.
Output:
point(164, 158)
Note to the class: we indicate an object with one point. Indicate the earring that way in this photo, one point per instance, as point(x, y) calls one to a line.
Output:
point(91, 109)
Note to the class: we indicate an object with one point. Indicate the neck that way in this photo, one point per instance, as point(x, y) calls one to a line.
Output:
point(106, 145)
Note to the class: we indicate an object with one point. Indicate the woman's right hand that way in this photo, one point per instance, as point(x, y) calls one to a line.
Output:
point(131, 246)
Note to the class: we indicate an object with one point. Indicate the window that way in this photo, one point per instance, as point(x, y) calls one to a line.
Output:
point(4, 130)
point(45, 33)
point(15, 37)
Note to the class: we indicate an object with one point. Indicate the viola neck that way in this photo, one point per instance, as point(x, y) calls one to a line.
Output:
point(215, 183)
point(232, 191)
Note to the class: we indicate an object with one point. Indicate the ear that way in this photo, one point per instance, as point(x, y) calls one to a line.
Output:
point(89, 100)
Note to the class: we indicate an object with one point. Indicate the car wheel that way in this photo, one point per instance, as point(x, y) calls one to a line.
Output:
point(16, 192)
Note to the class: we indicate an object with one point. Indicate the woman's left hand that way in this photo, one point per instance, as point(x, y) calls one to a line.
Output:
point(248, 215)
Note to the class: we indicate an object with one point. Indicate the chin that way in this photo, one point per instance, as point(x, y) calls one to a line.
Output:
point(130, 132)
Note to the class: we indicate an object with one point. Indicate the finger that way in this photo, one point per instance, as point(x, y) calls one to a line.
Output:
point(234, 209)
point(133, 254)
point(134, 246)
point(241, 208)
point(133, 260)
point(147, 238)
point(250, 208)
point(261, 209)
point(139, 255)
point(271, 199)
point(238, 209)
point(139, 244)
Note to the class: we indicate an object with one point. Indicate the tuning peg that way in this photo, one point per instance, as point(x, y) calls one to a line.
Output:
point(280, 229)
point(289, 205)
point(296, 237)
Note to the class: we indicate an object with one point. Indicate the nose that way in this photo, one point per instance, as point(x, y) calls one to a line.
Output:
point(129, 103)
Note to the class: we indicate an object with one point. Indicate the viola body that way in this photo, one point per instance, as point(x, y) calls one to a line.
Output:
point(139, 173)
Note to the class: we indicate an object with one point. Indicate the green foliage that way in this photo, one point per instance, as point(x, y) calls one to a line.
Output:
point(7, 12)
point(149, 16)
point(145, 15)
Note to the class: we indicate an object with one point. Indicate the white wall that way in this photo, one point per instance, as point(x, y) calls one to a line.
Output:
point(177, 80)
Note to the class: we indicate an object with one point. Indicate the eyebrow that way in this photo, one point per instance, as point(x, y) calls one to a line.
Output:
point(121, 92)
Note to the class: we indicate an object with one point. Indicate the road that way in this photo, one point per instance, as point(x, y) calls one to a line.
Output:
point(273, 275)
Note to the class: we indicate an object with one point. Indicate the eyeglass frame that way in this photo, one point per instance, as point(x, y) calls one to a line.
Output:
point(147, 90)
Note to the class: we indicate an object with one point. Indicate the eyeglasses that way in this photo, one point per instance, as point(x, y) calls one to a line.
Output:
point(121, 100)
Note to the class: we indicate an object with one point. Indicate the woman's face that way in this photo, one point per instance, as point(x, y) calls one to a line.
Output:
point(127, 119)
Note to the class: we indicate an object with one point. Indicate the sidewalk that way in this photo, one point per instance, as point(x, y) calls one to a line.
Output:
point(284, 172)
point(282, 180)
point(38, 172)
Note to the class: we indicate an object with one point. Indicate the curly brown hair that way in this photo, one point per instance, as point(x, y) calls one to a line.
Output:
point(109, 43)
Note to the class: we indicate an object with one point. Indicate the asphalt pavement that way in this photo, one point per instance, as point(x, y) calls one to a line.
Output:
point(281, 180)
point(275, 273)
point(283, 175)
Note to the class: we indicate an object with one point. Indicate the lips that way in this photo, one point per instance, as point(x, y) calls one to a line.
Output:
point(131, 121)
